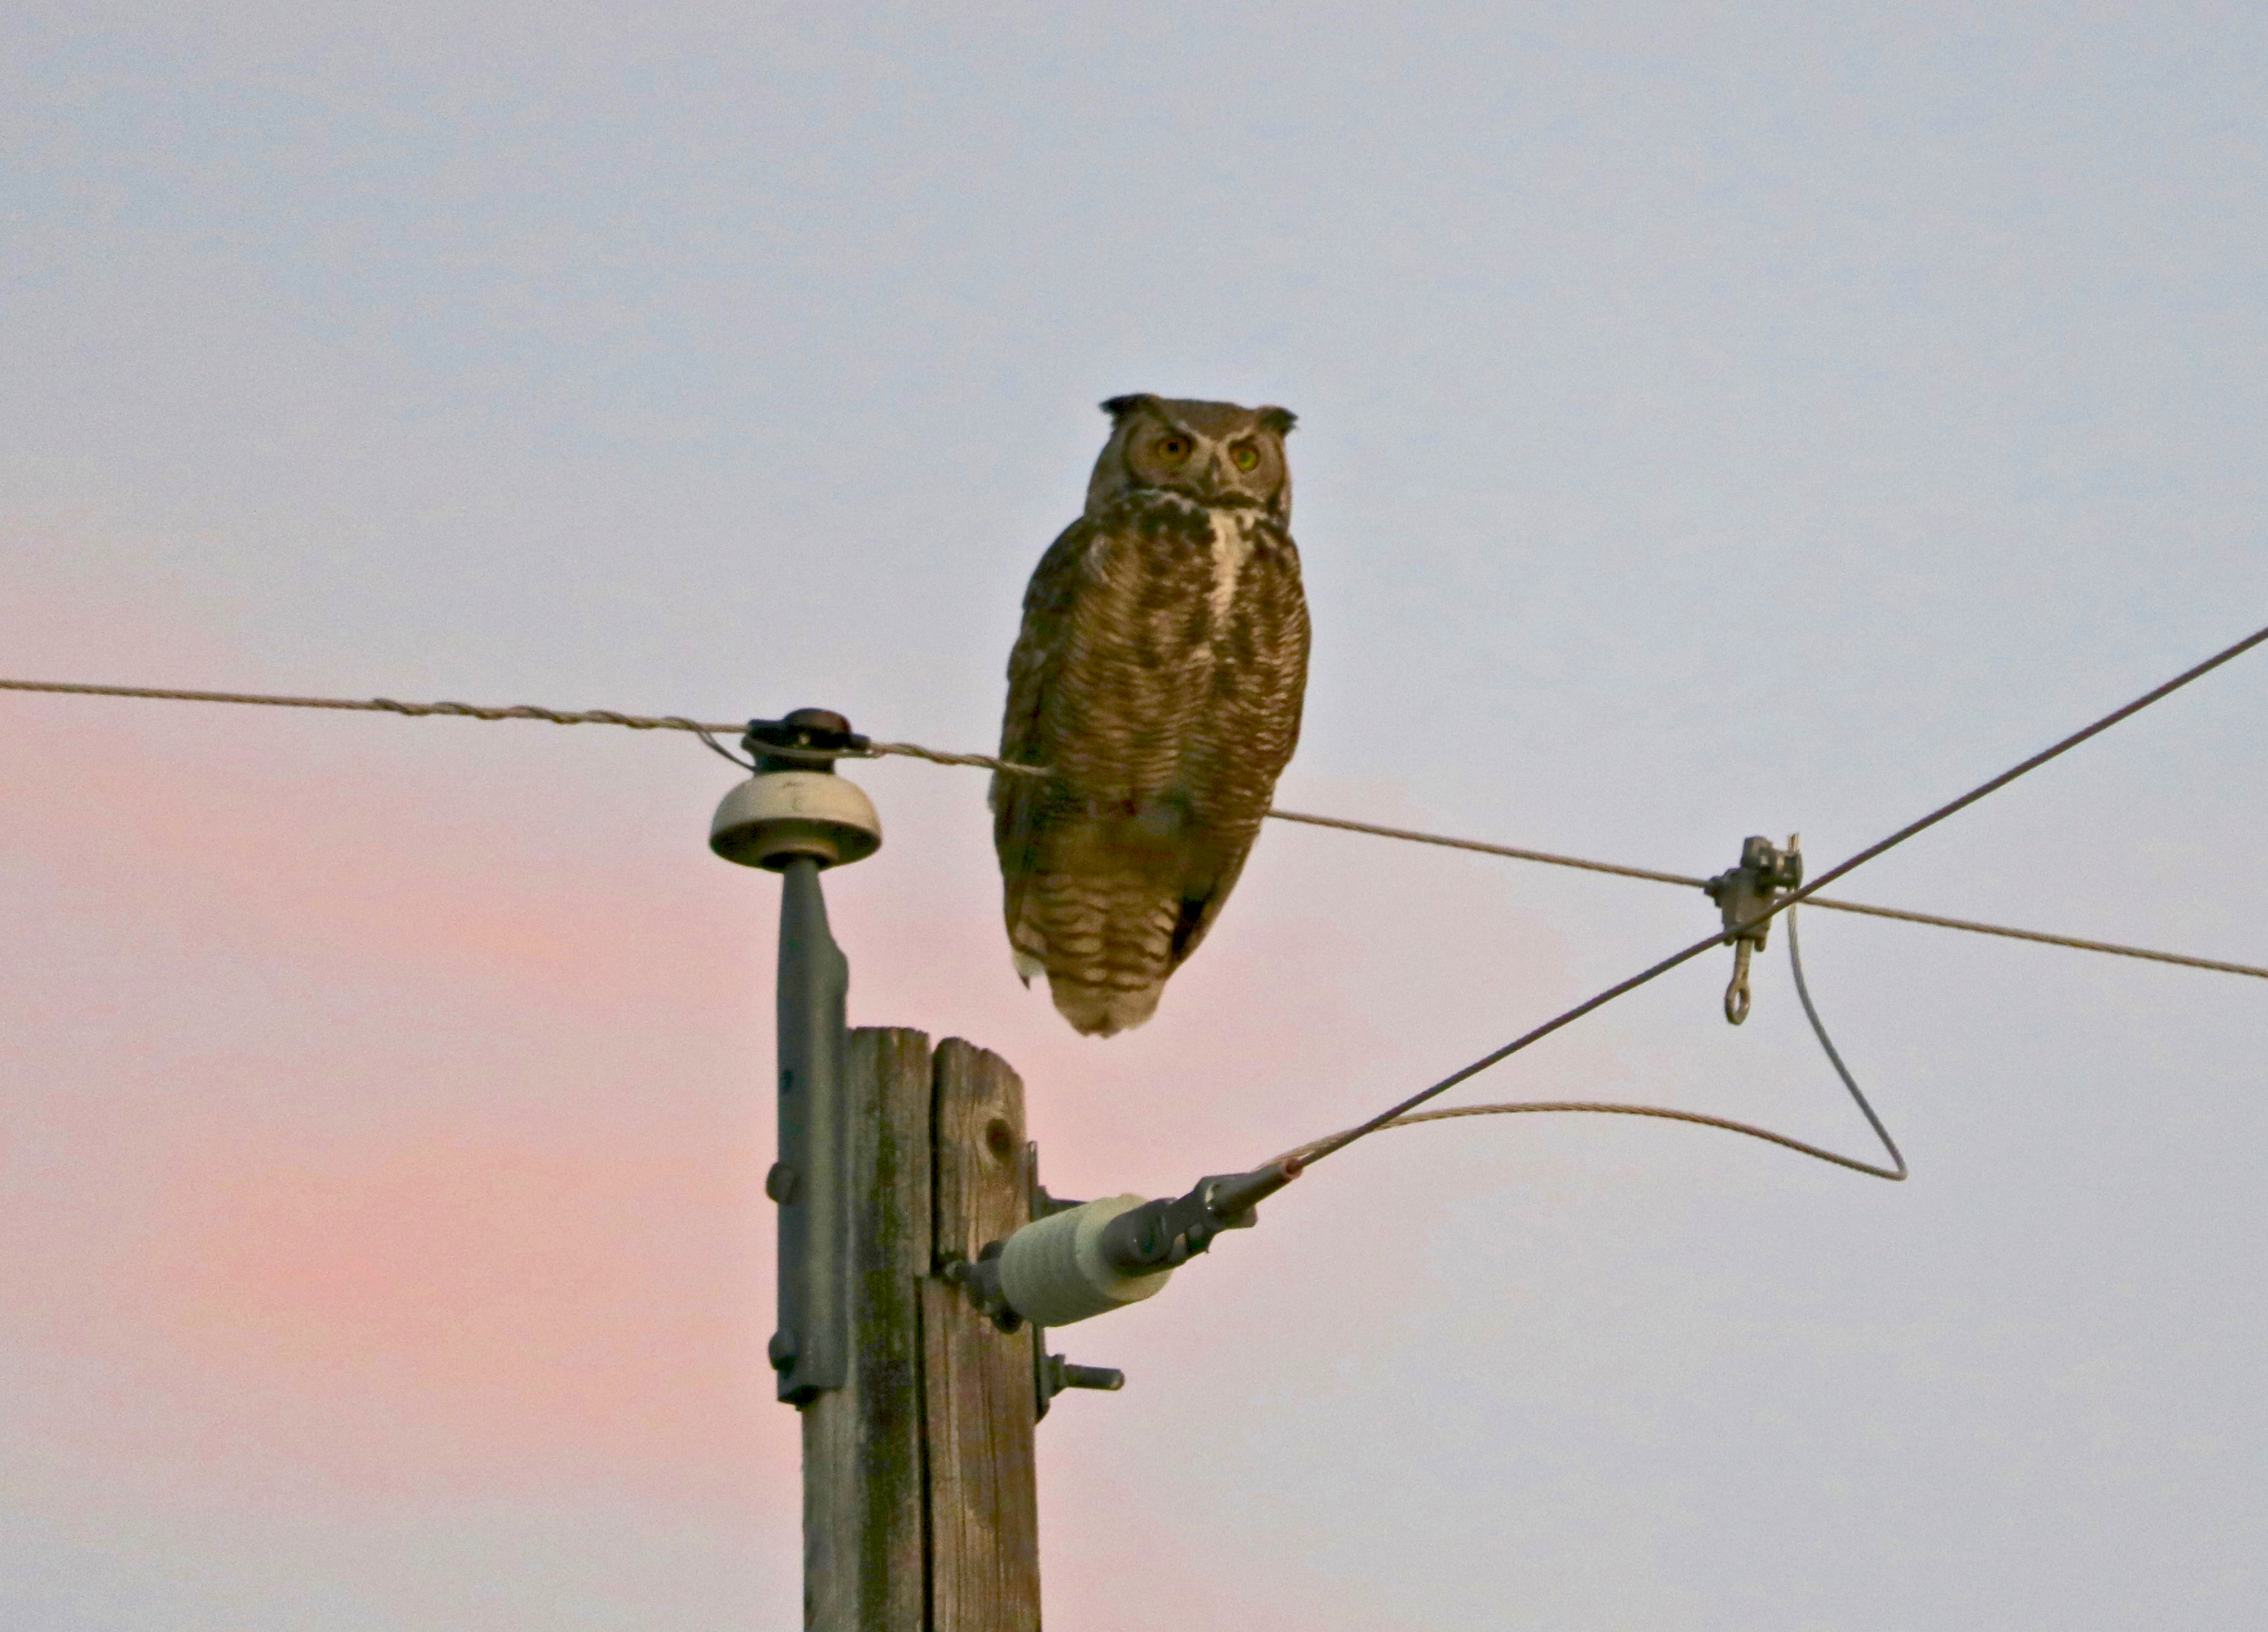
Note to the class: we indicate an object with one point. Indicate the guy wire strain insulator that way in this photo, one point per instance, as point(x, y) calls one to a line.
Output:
point(1104, 1254)
point(1743, 895)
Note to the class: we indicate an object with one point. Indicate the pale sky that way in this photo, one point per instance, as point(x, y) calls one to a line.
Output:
point(1713, 421)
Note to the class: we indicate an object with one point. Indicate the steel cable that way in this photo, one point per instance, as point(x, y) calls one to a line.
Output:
point(1405, 1113)
point(708, 731)
point(1897, 1172)
point(1935, 920)
point(1338, 1142)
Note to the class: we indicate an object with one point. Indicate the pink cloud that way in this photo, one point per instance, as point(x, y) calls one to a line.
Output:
point(487, 1213)
point(516, 1313)
point(489, 1219)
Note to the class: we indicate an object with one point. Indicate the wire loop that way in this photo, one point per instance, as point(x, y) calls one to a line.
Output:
point(1306, 1153)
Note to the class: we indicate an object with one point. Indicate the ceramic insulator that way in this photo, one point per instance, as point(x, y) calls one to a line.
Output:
point(1053, 1272)
point(779, 815)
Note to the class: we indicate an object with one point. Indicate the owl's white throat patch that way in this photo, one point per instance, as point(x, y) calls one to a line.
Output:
point(1231, 548)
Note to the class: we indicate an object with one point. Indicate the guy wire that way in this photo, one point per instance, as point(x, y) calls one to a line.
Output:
point(1896, 1171)
point(1339, 1142)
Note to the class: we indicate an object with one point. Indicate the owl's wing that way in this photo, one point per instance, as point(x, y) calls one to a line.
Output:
point(1017, 801)
point(1270, 675)
point(1208, 875)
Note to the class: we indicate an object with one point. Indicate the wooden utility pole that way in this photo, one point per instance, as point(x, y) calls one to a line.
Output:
point(920, 1510)
point(920, 1505)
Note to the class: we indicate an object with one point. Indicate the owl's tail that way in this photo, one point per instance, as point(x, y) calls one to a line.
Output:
point(1105, 957)
point(1104, 1011)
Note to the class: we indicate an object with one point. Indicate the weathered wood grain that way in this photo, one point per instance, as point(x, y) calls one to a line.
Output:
point(984, 1549)
point(863, 1534)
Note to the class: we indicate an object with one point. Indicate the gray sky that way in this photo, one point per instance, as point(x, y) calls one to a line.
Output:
point(1713, 421)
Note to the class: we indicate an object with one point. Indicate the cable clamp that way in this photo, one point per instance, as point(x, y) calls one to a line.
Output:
point(809, 739)
point(1744, 894)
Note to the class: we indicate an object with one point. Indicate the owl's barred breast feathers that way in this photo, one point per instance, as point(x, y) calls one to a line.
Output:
point(1158, 675)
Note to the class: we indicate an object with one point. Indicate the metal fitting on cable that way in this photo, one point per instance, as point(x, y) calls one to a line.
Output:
point(1744, 894)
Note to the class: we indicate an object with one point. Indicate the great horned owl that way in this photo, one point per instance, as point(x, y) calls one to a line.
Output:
point(1158, 678)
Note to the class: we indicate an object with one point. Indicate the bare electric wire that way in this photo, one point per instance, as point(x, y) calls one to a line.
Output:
point(383, 705)
point(1405, 1113)
point(708, 731)
point(1935, 920)
point(1415, 837)
point(1338, 1142)
point(2072, 941)
point(1896, 1171)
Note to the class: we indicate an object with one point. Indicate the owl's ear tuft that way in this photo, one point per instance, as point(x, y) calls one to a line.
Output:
point(1279, 420)
point(1119, 407)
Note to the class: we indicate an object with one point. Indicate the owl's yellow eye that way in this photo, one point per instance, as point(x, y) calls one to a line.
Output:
point(1173, 450)
point(1246, 455)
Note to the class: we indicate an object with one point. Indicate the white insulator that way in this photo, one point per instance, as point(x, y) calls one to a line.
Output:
point(770, 819)
point(1052, 1271)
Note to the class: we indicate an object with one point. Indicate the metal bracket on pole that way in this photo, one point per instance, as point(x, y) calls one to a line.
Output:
point(811, 1349)
point(1745, 894)
point(796, 816)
